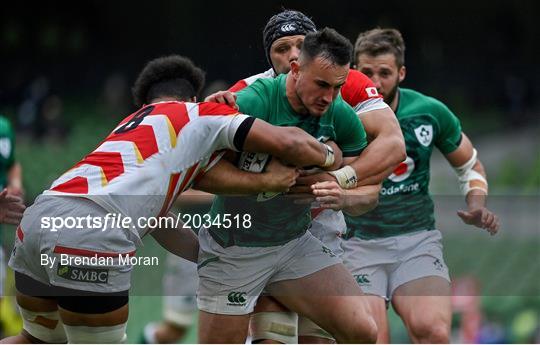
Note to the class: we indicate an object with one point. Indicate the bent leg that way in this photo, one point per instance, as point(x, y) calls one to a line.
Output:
point(424, 305)
point(41, 322)
point(227, 329)
point(272, 323)
point(335, 303)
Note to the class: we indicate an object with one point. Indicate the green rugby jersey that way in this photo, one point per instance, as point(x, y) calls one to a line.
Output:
point(7, 149)
point(405, 204)
point(278, 220)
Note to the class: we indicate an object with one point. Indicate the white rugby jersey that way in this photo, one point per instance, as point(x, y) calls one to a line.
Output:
point(152, 156)
point(358, 91)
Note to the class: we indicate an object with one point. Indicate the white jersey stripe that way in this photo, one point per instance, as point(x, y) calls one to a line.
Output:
point(193, 110)
point(369, 105)
point(161, 126)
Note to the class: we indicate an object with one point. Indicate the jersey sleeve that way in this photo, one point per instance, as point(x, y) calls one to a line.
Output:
point(449, 137)
point(242, 84)
point(224, 130)
point(253, 101)
point(350, 133)
point(361, 94)
point(239, 85)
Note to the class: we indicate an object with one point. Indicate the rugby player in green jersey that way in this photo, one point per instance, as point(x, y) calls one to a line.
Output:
point(275, 250)
point(283, 36)
point(395, 251)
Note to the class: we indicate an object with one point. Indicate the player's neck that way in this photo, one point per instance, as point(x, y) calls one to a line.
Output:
point(395, 102)
point(292, 96)
point(165, 99)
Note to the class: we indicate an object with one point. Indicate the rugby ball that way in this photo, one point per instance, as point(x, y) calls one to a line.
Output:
point(256, 163)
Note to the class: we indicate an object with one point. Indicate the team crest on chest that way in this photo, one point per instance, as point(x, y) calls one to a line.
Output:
point(5, 147)
point(424, 134)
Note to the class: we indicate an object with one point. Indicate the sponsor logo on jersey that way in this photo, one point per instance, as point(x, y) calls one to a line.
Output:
point(403, 170)
point(88, 275)
point(424, 134)
point(288, 27)
point(5, 147)
point(402, 188)
point(362, 279)
point(237, 298)
point(372, 91)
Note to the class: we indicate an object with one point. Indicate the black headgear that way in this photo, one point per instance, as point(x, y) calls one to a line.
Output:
point(286, 23)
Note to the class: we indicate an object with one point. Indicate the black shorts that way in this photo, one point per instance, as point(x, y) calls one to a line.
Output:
point(77, 301)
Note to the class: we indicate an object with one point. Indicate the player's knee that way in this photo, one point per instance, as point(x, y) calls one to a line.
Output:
point(98, 335)
point(439, 334)
point(363, 330)
point(435, 332)
point(368, 330)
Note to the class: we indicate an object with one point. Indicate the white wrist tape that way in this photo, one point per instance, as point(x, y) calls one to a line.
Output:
point(346, 177)
point(470, 179)
point(330, 158)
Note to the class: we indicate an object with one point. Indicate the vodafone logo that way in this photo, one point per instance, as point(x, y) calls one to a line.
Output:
point(288, 27)
point(403, 170)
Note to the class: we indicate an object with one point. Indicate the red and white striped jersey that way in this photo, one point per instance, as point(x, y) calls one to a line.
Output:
point(359, 91)
point(151, 157)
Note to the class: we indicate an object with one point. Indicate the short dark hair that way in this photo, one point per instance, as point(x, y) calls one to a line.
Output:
point(327, 44)
point(169, 76)
point(381, 41)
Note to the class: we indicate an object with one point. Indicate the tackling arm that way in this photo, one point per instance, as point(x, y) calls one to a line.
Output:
point(225, 178)
point(386, 147)
point(290, 144)
point(180, 241)
point(385, 150)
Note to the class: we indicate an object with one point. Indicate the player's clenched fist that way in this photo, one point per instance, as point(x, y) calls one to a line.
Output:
point(279, 176)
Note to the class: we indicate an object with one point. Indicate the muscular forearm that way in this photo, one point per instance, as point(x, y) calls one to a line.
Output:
point(379, 159)
point(194, 197)
point(181, 241)
point(292, 145)
point(361, 200)
point(225, 178)
point(477, 198)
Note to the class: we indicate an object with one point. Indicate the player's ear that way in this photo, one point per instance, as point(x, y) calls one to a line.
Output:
point(402, 73)
point(295, 69)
